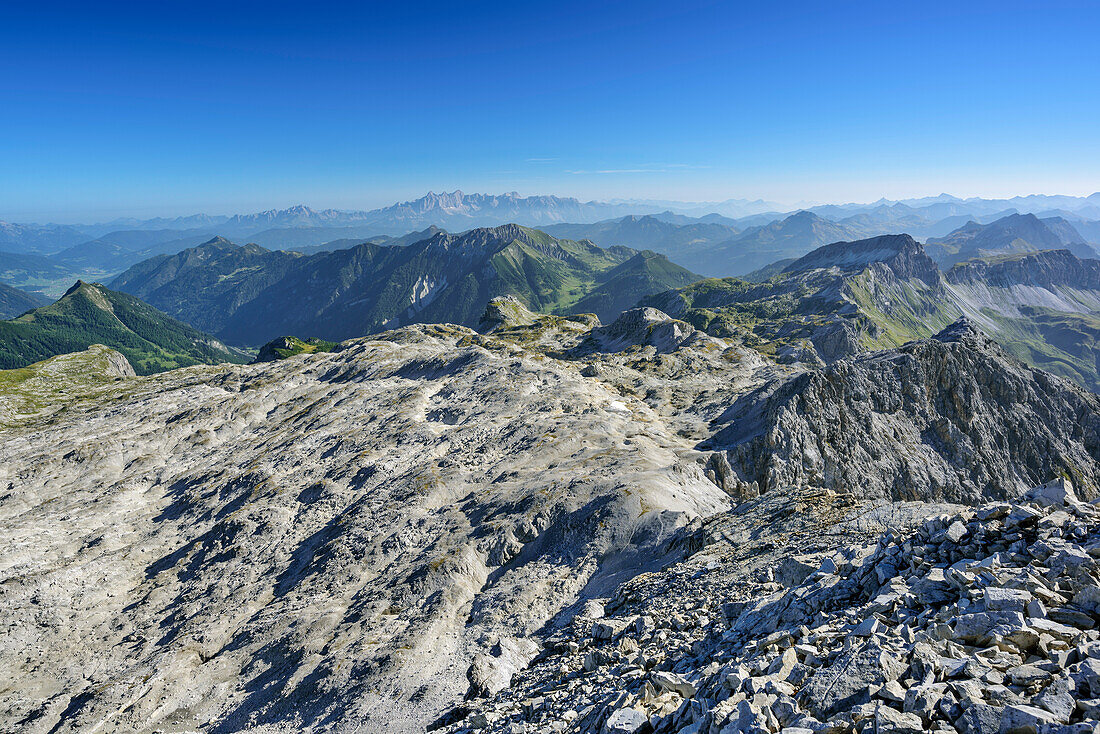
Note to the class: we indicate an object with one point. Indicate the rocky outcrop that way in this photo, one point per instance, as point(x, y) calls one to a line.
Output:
point(900, 253)
point(645, 326)
point(951, 417)
point(48, 389)
point(505, 312)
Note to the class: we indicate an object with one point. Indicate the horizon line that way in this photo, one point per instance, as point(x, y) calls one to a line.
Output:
point(785, 207)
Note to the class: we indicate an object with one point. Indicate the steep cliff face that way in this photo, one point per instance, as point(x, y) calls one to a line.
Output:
point(1050, 269)
point(950, 418)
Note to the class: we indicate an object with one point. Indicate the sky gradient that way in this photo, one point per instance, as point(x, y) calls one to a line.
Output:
point(173, 108)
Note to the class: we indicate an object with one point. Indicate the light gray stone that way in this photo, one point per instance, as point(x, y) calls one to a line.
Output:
point(1057, 698)
point(980, 718)
point(1005, 600)
point(625, 721)
point(850, 680)
point(1058, 492)
point(673, 682)
point(1022, 719)
point(891, 721)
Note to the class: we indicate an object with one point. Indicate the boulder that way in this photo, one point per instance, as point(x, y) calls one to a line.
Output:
point(850, 680)
point(1005, 600)
point(981, 626)
point(891, 721)
point(934, 588)
point(793, 570)
point(1022, 719)
point(1058, 493)
point(1088, 599)
point(625, 721)
point(1057, 698)
point(979, 718)
point(673, 682)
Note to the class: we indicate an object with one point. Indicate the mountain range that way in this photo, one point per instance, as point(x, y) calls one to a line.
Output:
point(720, 249)
point(819, 291)
point(717, 247)
point(14, 301)
point(250, 295)
point(732, 238)
point(90, 314)
point(478, 517)
point(1013, 234)
point(849, 297)
point(817, 303)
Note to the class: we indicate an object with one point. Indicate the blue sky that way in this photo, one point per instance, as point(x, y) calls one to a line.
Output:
point(171, 108)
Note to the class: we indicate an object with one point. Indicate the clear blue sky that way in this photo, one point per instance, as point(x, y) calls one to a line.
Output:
point(154, 108)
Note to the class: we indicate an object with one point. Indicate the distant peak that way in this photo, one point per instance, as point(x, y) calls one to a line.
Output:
point(76, 287)
point(861, 253)
point(218, 241)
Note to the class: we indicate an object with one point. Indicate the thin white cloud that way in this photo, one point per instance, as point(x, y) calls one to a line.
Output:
point(539, 160)
point(669, 168)
point(617, 170)
point(686, 166)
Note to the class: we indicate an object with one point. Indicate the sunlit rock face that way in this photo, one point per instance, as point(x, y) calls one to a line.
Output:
point(336, 537)
point(360, 540)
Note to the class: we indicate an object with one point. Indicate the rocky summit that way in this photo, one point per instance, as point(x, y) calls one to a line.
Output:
point(551, 524)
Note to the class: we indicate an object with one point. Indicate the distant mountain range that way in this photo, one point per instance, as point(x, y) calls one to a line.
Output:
point(1016, 233)
point(1087, 206)
point(758, 246)
point(39, 238)
point(731, 238)
point(667, 233)
point(14, 301)
point(90, 314)
point(720, 249)
point(1031, 282)
point(454, 210)
point(457, 211)
point(250, 295)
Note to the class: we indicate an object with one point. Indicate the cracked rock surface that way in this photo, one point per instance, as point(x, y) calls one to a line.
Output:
point(543, 527)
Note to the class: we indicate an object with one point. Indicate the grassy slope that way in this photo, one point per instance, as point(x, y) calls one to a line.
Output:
point(91, 314)
point(290, 346)
point(51, 386)
point(14, 302)
point(1067, 344)
point(625, 285)
point(898, 312)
